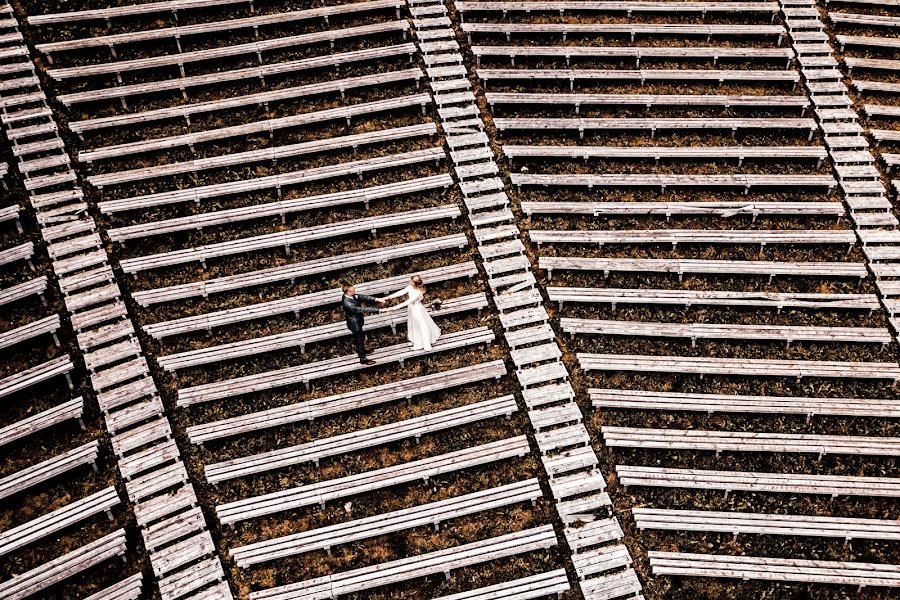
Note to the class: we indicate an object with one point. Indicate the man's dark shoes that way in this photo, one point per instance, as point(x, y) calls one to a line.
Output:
point(367, 362)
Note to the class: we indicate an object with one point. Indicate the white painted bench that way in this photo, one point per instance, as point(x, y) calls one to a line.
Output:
point(292, 271)
point(719, 209)
point(336, 404)
point(786, 483)
point(752, 367)
point(14, 483)
point(738, 441)
point(404, 569)
point(726, 331)
point(368, 481)
point(354, 441)
point(734, 403)
point(766, 524)
point(71, 409)
point(775, 569)
point(429, 514)
point(688, 298)
point(37, 374)
point(74, 512)
point(762, 237)
point(306, 373)
point(61, 568)
point(681, 266)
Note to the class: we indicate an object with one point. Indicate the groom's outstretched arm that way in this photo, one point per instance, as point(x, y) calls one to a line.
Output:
point(369, 299)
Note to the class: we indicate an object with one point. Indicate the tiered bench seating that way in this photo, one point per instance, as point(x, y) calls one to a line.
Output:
point(355, 441)
point(526, 588)
point(273, 154)
point(637, 53)
point(688, 298)
point(775, 569)
point(127, 589)
point(726, 331)
point(368, 481)
point(842, 18)
point(180, 59)
point(700, 153)
point(129, 10)
point(61, 568)
point(738, 441)
point(429, 514)
point(867, 41)
point(185, 111)
point(404, 569)
point(306, 373)
point(292, 271)
point(728, 403)
point(630, 31)
point(14, 483)
point(37, 374)
point(753, 367)
point(57, 520)
point(648, 100)
point(707, 267)
point(274, 182)
point(229, 316)
point(72, 409)
point(723, 209)
point(766, 524)
point(361, 398)
point(16, 253)
point(562, 6)
point(280, 208)
point(786, 483)
point(30, 331)
point(180, 32)
point(14, 293)
point(695, 236)
point(302, 337)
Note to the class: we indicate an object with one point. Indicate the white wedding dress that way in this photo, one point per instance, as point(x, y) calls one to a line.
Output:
point(420, 328)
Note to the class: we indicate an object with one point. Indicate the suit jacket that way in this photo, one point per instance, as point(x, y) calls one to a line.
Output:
point(354, 311)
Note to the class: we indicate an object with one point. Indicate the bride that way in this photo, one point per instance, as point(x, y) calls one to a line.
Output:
point(421, 330)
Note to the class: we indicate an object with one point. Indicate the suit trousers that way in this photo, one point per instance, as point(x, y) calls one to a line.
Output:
point(359, 340)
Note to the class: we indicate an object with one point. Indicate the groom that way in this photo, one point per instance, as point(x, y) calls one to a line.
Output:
point(354, 311)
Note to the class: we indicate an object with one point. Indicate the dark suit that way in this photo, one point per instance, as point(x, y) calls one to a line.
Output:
point(355, 312)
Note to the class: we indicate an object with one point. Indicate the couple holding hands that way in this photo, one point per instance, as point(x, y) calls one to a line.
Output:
point(421, 329)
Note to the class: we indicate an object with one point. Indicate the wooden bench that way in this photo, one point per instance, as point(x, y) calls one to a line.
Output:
point(261, 310)
point(129, 10)
point(637, 53)
point(630, 31)
point(707, 267)
point(842, 18)
point(643, 76)
point(185, 111)
point(430, 514)
point(688, 298)
point(762, 237)
point(525, 588)
point(306, 373)
point(727, 331)
point(354, 441)
point(785, 483)
point(292, 271)
point(50, 468)
point(368, 481)
point(765, 524)
point(734, 403)
point(774, 569)
point(562, 6)
point(179, 32)
point(876, 64)
point(336, 404)
point(867, 41)
point(273, 154)
point(738, 441)
point(725, 209)
point(274, 182)
point(127, 589)
point(657, 153)
point(16, 253)
point(74, 512)
point(648, 101)
point(37, 374)
point(30, 331)
point(302, 337)
point(280, 208)
point(423, 565)
point(213, 54)
point(655, 124)
point(753, 367)
point(71, 409)
point(61, 568)
point(14, 293)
